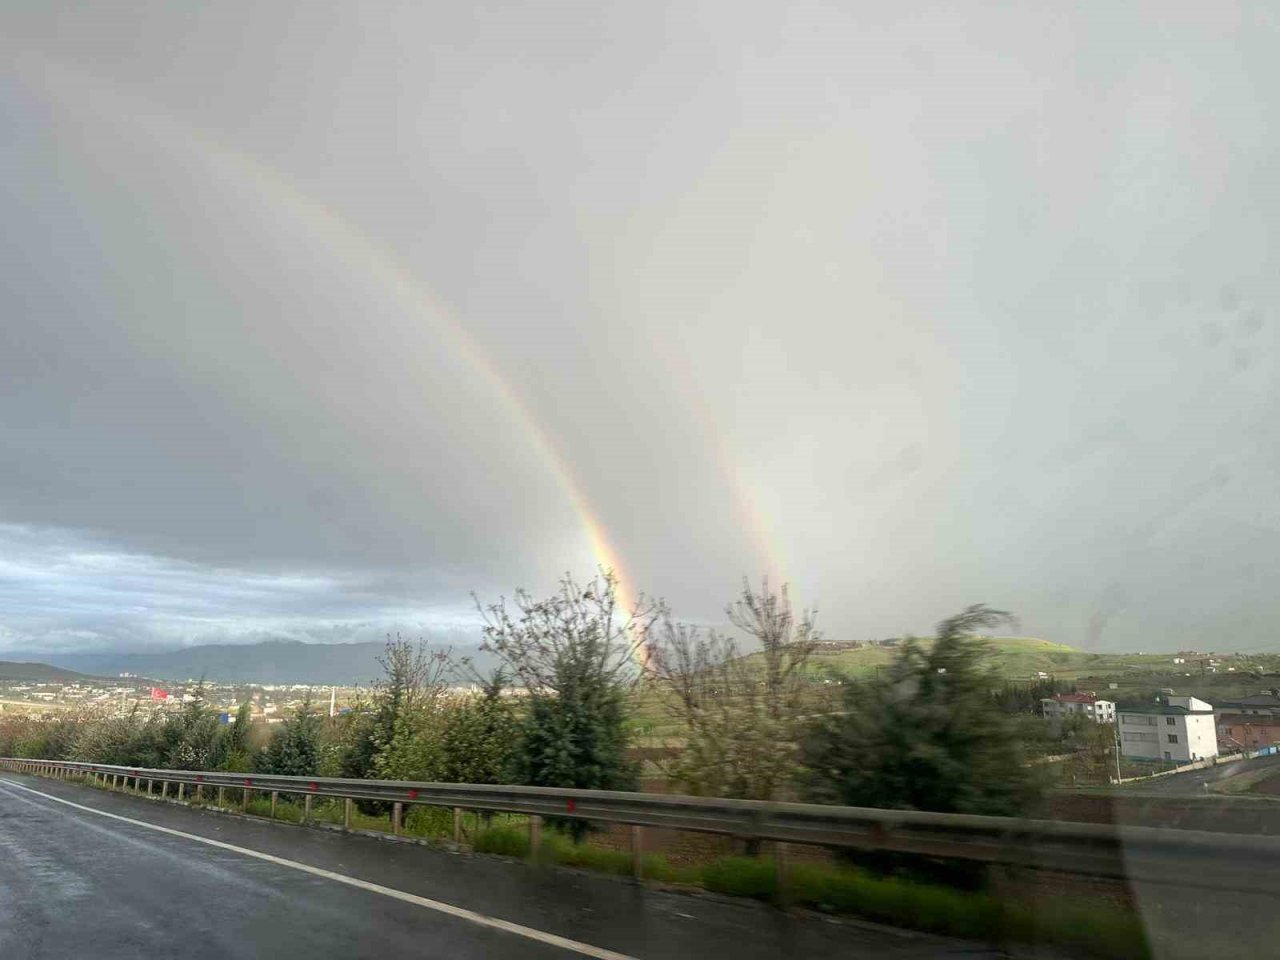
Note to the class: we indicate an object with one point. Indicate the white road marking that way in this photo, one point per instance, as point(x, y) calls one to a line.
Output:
point(461, 913)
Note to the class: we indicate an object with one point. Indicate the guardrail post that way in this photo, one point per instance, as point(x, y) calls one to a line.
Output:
point(199, 793)
point(346, 813)
point(275, 795)
point(781, 882)
point(115, 781)
point(244, 800)
point(182, 789)
point(151, 784)
point(457, 826)
point(397, 815)
point(535, 836)
point(637, 851)
point(222, 797)
point(164, 789)
point(306, 808)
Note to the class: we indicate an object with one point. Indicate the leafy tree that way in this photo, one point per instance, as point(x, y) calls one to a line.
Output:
point(1024, 697)
point(407, 705)
point(42, 737)
point(574, 653)
point(130, 739)
point(388, 736)
point(923, 736)
point(480, 736)
point(1093, 749)
point(356, 746)
point(414, 748)
point(294, 750)
point(233, 751)
point(742, 714)
point(191, 736)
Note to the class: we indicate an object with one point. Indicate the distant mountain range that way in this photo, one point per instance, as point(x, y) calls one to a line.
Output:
point(272, 661)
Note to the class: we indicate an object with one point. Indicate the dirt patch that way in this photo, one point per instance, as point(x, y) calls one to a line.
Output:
point(1268, 786)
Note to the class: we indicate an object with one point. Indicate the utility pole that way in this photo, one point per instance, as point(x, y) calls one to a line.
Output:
point(1117, 731)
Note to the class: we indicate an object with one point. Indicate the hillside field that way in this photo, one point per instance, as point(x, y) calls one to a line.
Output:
point(1022, 659)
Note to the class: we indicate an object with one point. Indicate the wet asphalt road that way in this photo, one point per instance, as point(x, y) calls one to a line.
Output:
point(77, 884)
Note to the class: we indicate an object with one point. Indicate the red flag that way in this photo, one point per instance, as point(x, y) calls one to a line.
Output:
point(158, 694)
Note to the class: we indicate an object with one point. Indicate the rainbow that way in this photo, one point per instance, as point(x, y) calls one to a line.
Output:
point(75, 91)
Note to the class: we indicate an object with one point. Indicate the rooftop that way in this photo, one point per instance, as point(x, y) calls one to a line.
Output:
point(1257, 700)
point(1250, 719)
point(1163, 709)
point(1076, 697)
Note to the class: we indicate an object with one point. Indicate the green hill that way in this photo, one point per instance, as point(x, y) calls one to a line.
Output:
point(1119, 676)
point(1014, 658)
point(1025, 658)
point(12, 671)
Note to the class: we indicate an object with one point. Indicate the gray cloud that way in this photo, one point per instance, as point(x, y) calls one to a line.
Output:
point(914, 308)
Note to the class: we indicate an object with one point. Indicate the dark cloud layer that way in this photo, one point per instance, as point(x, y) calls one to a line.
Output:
point(317, 317)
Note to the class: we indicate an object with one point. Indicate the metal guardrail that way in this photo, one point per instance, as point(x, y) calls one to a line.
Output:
point(1180, 857)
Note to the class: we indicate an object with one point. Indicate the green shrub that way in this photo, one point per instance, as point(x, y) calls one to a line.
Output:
point(503, 841)
point(429, 822)
point(742, 877)
point(1095, 930)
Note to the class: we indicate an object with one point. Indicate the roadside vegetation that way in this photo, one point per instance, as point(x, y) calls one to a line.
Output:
point(582, 682)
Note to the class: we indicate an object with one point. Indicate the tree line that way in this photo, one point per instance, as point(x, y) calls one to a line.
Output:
point(935, 730)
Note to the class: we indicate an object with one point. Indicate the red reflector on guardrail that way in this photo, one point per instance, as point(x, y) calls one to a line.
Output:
point(315, 787)
point(571, 805)
point(413, 794)
point(248, 782)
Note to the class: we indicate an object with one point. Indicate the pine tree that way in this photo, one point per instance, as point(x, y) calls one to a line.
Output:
point(294, 751)
point(923, 735)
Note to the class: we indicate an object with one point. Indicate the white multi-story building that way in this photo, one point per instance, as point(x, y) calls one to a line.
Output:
point(1173, 728)
point(1084, 704)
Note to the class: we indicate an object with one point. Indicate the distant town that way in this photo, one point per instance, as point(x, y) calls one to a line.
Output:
point(271, 703)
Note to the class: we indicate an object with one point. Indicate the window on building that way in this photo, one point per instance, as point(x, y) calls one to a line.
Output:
point(1170, 721)
point(1173, 738)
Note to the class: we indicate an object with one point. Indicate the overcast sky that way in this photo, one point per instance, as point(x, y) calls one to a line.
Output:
point(319, 316)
